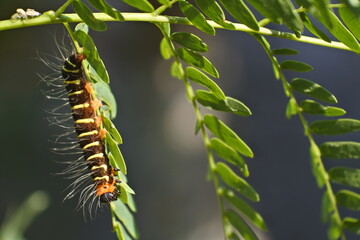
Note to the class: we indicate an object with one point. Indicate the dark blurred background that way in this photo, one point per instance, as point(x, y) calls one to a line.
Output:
point(166, 161)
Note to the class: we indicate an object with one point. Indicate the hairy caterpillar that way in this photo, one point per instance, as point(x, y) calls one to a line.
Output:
point(95, 179)
point(87, 126)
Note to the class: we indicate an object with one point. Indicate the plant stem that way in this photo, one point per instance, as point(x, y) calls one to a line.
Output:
point(50, 18)
point(308, 134)
point(211, 161)
point(62, 8)
point(162, 8)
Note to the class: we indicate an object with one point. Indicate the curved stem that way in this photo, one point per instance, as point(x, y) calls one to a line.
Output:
point(50, 18)
point(62, 8)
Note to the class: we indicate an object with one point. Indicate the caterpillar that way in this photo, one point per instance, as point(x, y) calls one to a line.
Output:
point(87, 127)
point(95, 178)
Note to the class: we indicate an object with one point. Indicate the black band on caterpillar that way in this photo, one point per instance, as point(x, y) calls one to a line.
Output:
point(87, 126)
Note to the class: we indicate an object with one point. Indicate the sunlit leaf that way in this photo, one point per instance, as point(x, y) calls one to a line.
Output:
point(212, 9)
point(219, 129)
point(196, 17)
point(197, 60)
point(208, 99)
point(284, 51)
point(87, 16)
point(143, 5)
point(295, 66)
point(351, 20)
point(235, 182)
point(312, 107)
point(312, 89)
point(335, 228)
point(240, 225)
point(110, 127)
point(334, 127)
point(126, 217)
point(115, 151)
point(345, 176)
point(104, 7)
point(352, 224)
point(227, 153)
point(177, 70)
point(348, 199)
point(245, 209)
point(326, 207)
point(92, 55)
point(240, 12)
point(190, 41)
point(200, 78)
point(340, 150)
point(291, 108)
point(165, 49)
point(312, 28)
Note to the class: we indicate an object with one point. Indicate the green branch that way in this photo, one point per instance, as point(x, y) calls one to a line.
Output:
point(50, 18)
point(307, 133)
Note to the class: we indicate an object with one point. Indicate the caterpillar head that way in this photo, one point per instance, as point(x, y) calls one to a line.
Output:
point(109, 196)
point(107, 192)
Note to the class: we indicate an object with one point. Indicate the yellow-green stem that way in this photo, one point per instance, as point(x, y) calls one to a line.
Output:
point(50, 18)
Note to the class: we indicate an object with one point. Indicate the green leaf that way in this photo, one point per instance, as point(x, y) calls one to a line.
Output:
point(277, 10)
point(295, 66)
point(227, 153)
point(115, 152)
point(354, 6)
point(241, 13)
point(232, 105)
point(110, 127)
point(118, 230)
point(345, 176)
point(343, 34)
point(177, 70)
point(126, 217)
point(235, 220)
point(348, 199)
point(318, 8)
point(335, 228)
point(104, 7)
point(92, 55)
point(245, 209)
point(103, 93)
point(196, 18)
point(316, 165)
point(235, 182)
point(165, 49)
point(268, 9)
point(291, 108)
point(284, 51)
point(219, 129)
point(351, 20)
point(197, 60)
point(326, 207)
point(334, 127)
point(233, 236)
point(200, 78)
point(312, 28)
point(142, 5)
point(190, 41)
point(340, 150)
point(352, 224)
point(82, 27)
point(88, 17)
point(212, 9)
point(312, 107)
point(312, 89)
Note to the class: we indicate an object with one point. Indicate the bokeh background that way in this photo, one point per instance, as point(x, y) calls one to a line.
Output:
point(166, 161)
